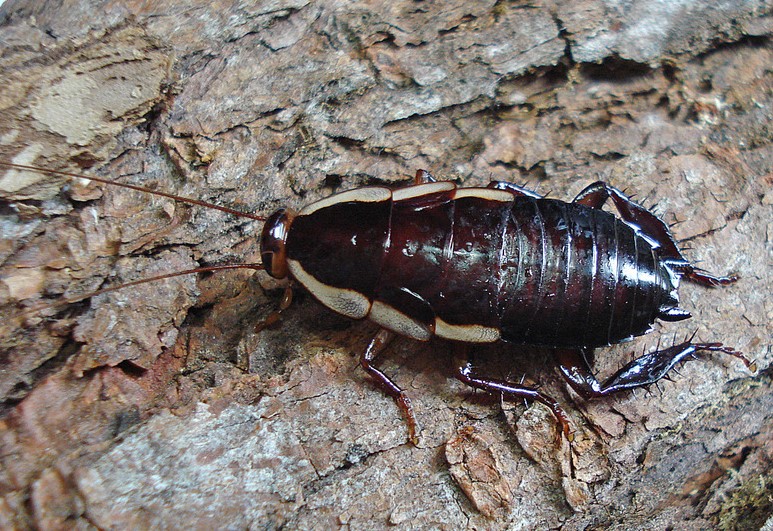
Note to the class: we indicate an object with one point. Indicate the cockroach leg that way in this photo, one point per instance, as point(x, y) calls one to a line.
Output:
point(514, 189)
point(423, 176)
point(642, 220)
point(273, 318)
point(699, 276)
point(644, 370)
point(376, 346)
point(634, 215)
point(509, 390)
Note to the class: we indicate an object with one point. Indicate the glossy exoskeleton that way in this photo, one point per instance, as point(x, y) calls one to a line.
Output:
point(478, 265)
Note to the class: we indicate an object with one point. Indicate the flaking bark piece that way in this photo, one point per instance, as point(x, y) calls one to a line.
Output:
point(477, 468)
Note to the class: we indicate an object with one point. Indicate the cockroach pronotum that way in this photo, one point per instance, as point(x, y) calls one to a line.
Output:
point(479, 265)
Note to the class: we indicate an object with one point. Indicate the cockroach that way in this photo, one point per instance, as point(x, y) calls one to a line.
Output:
point(480, 265)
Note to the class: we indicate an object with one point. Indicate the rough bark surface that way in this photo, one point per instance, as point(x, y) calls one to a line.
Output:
point(160, 406)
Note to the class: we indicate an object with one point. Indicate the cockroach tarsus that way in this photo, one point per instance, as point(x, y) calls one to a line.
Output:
point(479, 265)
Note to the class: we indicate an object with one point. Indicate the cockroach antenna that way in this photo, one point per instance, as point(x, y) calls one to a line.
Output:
point(180, 198)
point(71, 300)
point(204, 269)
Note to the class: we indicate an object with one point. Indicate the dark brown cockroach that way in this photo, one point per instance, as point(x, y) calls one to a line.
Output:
point(479, 265)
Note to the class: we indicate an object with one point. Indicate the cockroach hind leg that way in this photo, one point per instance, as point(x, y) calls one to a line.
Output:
point(633, 214)
point(644, 221)
point(719, 347)
point(375, 347)
point(642, 371)
point(700, 276)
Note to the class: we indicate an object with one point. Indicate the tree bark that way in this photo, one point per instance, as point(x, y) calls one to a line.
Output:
point(161, 405)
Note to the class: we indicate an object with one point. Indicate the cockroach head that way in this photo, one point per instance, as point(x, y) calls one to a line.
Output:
point(272, 242)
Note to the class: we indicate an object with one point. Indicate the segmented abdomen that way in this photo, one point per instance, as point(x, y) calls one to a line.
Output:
point(575, 276)
point(477, 265)
point(533, 271)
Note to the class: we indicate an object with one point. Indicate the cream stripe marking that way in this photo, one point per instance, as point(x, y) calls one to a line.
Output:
point(347, 302)
point(395, 320)
point(367, 194)
point(468, 333)
point(422, 189)
point(489, 194)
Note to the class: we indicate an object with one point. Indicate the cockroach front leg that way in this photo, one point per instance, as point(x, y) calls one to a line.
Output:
point(464, 373)
point(376, 346)
point(644, 370)
point(649, 225)
point(273, 318)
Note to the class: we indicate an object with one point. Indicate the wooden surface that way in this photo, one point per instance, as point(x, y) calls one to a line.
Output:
point(160, 406)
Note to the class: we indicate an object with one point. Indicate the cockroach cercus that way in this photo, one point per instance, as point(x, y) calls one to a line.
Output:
point(479, 265)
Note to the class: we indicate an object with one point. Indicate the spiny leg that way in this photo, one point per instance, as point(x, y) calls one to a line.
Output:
point(644, 370)
point(514, 189)
point(465, 374)
point(638, 217)
point(652, 228)
point(376, 346)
